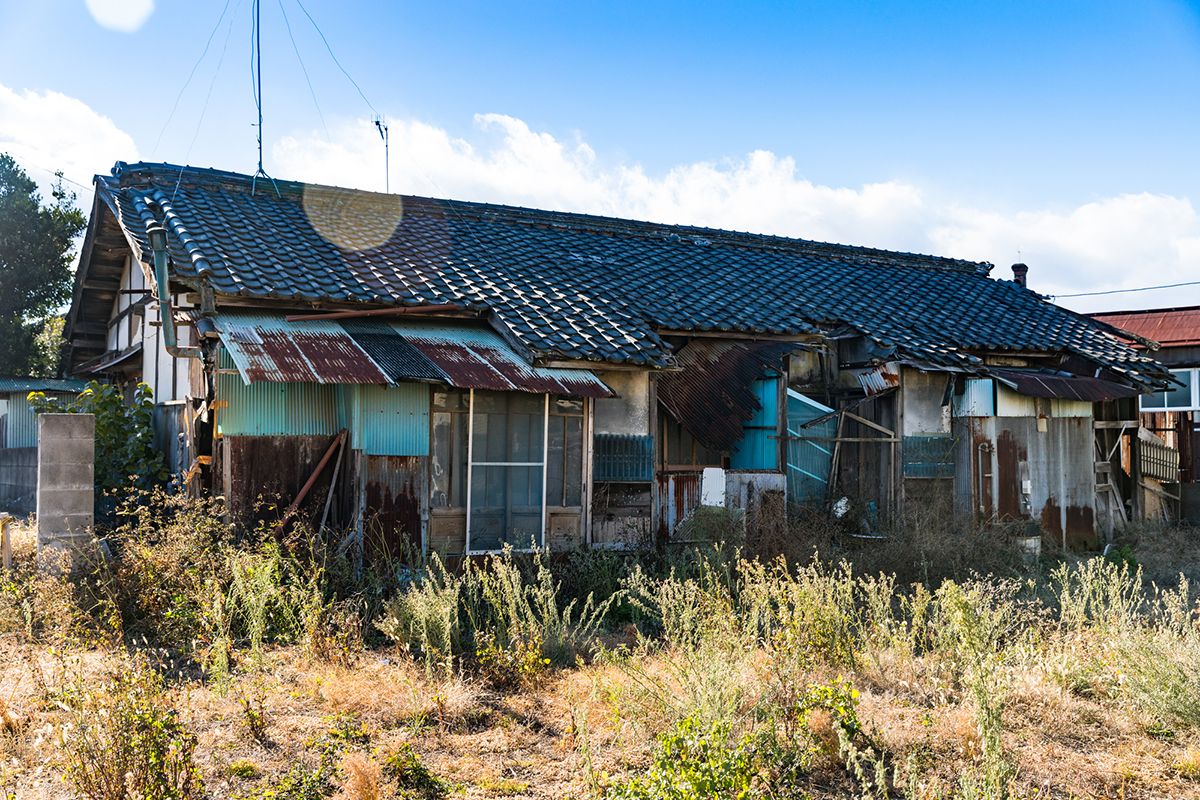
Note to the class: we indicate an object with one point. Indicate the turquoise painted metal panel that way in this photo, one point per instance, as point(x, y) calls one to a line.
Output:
point(274, 409)
point(394, 419)
point(22, 422)
point(810, 450)
point(977, 400)
point(759, 449)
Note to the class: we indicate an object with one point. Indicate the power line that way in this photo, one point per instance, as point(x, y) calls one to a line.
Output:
point(192, 74)
point(1125, 291)
point(335, 58)
point(287, 24)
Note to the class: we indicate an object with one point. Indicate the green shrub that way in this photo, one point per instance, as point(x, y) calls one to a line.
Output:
point(125, 453)
point(124, 740)
point(404, 767)
point(698, 761)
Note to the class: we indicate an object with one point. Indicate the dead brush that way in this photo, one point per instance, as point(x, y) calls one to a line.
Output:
point(363, 779)
point(253, 704)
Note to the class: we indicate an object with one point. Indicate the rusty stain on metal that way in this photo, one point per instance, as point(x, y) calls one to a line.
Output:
point(713, 394)
point(678, 496)
point(395, 486)
point(1081, 528)
point(1009, 455)
point(265, 347)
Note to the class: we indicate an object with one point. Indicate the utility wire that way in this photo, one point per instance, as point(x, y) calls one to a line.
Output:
point(1125, 291)
point(192, 74)
point(287, 24)
point(335, 58)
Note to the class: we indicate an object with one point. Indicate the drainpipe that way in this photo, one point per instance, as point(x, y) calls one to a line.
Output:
point(158, 248)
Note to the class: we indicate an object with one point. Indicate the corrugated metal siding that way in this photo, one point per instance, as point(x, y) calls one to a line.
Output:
point(395, 420)
point(22, 422)
point(1011, 404)
point(977, 399)
point(274, 409)
point(759, 447)
point(808, 460)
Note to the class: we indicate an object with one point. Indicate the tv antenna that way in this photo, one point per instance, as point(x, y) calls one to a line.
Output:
point(257, 85)
point(382, 127)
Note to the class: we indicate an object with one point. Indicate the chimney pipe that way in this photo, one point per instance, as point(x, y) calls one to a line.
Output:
point(1020, 271)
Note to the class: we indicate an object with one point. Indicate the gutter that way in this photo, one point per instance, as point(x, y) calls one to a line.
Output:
point(158, 248)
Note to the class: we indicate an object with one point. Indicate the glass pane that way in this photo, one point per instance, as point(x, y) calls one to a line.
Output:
point(573, 463)
point(451, 399)
point(1152, 401)
point(506, 507)
point(448, 470)
point(1180, 396)
point(509, 427)
point(566, 406)
point(554, 463)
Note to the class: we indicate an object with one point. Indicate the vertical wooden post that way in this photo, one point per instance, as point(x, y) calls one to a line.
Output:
point(5, 542)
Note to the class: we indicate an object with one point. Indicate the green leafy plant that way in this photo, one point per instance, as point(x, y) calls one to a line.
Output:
point(125, 453)
point(125, 740)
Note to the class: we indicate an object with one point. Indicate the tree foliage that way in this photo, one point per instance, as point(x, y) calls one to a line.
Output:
point(36, 250)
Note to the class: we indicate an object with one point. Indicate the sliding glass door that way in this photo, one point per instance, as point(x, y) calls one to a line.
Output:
point(507, 462)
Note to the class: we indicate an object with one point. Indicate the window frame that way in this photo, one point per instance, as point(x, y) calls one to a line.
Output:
point(1193, 379)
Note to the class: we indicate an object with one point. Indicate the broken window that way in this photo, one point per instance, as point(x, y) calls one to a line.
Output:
point(448, 471)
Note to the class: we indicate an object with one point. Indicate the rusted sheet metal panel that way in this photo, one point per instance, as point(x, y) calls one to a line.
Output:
point(1017, 472)
point(713, 395)
point(1170, 327)
point(267, 472)
point(267, 348)
point(397, 504)
point(678, 497)
point(477, 358)
point(1035, 383)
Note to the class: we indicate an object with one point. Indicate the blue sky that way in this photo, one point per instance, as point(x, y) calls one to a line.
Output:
point(1064, 134)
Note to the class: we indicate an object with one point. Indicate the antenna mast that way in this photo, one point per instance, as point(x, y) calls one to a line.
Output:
point(258, 96)
point(382, 127)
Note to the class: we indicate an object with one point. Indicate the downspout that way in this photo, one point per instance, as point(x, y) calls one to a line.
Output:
point(158, 248)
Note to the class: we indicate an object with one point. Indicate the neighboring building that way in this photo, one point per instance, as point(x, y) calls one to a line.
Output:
point(18, 437)
point(1172, 415)
point(505, 374)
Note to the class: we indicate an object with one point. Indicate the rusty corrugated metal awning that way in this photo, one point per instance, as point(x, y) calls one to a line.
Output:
point(712, 396)
point(265, 347)
point(1034, 383)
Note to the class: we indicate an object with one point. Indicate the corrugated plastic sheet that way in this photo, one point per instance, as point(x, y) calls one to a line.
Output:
point(265, 347)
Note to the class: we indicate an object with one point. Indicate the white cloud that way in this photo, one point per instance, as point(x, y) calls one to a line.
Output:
point(125, 16)
point(1119, 242)
point(46, 131)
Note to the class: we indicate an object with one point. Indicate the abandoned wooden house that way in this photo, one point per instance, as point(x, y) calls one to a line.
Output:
point(1169, 435)
point(458, 376)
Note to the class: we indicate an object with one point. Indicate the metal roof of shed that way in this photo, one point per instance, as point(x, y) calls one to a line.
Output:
point(265, 347)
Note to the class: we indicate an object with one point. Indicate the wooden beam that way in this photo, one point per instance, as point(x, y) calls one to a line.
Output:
point(374, 312)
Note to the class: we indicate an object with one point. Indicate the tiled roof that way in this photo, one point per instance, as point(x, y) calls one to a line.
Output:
point(584, 287)
point(1170, 327)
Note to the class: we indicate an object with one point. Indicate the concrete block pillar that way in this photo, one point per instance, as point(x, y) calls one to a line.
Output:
point(66, 479)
